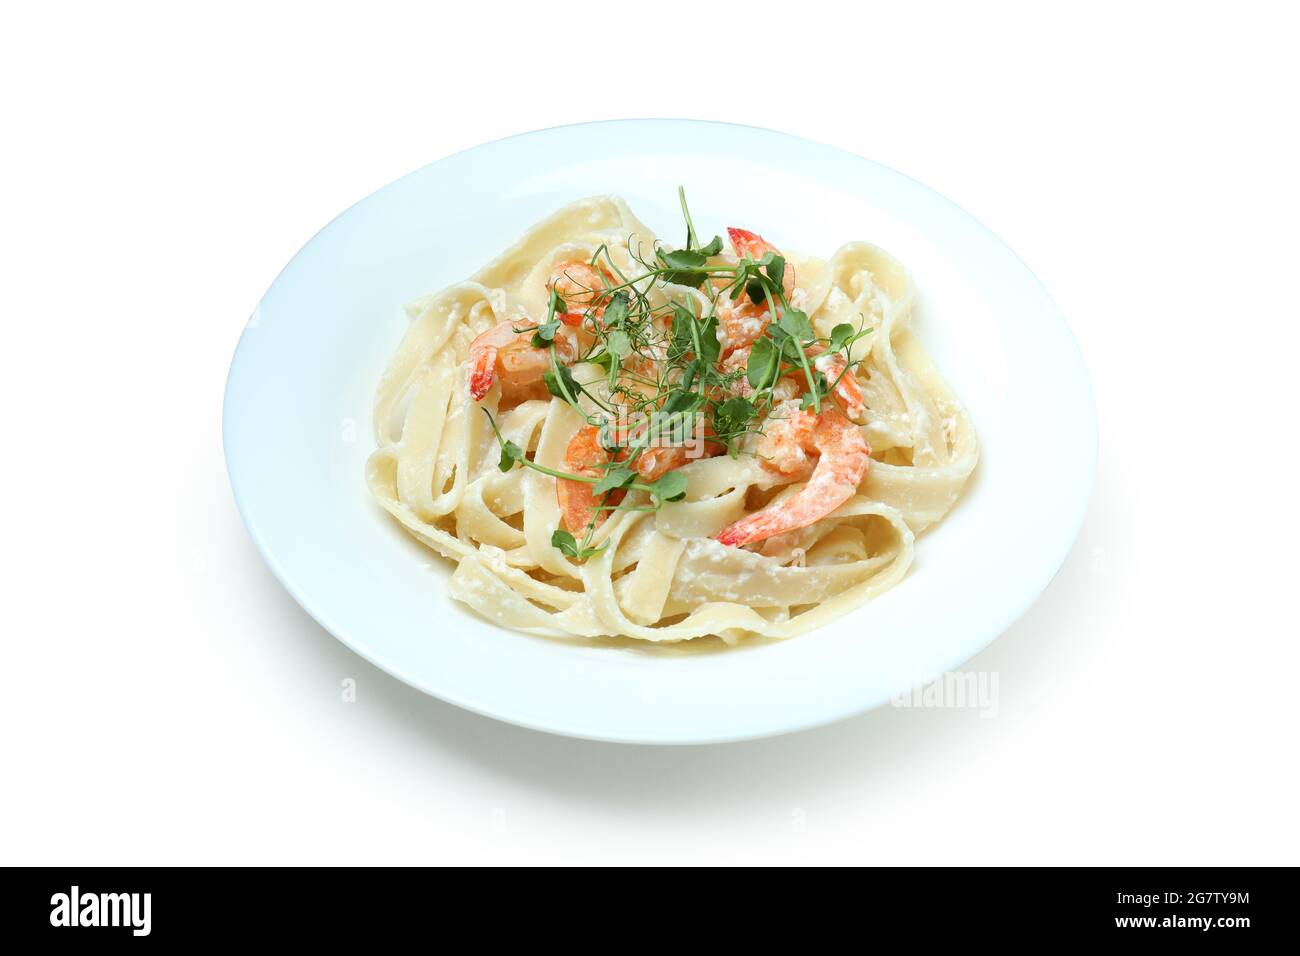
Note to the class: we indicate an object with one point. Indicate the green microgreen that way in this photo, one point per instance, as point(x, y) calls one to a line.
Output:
point(615, 477)
point(566, 544)
point(544, 334)
point(660, 359)
point(560, 382)
point(733, 416)
point(671, 487)
point(616, 311)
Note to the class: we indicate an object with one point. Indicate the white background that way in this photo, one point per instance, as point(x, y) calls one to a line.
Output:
point(164, 701)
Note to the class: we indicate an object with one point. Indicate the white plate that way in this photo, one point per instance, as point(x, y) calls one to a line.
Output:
point(298, 401)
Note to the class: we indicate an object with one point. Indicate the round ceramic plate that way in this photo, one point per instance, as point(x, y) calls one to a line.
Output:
point(298, 403)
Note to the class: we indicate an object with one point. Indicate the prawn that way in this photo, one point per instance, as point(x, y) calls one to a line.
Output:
point(830, 447)
point(500, 353)
point(586, 456)
point(578, 503)
point(655, 462)
point(844, 384)
point(581, 286)
point(506, 353)
point(741, 321)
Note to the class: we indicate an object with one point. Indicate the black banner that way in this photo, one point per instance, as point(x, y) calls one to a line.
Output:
point(136, 906)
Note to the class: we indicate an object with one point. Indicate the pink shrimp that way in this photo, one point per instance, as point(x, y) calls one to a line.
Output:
point(578, 501)
point(655, 462)
point(845, 385)
point(785, 387)
point(741, 319)
point(667, 450)
point(505, 353)
point(841, 455)
point(580, 285)
point(586, 456)
point(751, 244)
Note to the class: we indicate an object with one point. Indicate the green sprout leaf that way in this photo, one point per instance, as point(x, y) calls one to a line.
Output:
point(820, 390)
point(686, 214)
point(692, 241)
point(568, 545)
point(690, 336)
point(713, 248)
point(710, 347)
point(683, 267)
point(733, 415)
point(616, 312)
point(510, 453)
point(795, 324)
point(764, 362)
point(564, 542)
point(775, 268)
point(618, 344)
point(682, 340)
point(671, 487)
point(841, 336)
point(616, 477)
point(563, 386)
point(685, 259)
point(545, 334)
point(682, 402)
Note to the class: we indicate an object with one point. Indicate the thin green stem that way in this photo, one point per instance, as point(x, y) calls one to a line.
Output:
point(692, 240)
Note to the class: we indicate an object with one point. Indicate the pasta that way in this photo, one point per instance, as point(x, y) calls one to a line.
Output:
point(611, 437)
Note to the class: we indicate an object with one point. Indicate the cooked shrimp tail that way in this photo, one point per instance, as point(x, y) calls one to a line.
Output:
point(482, 369)
point(845, 385)
point(743, 321)
point(579, 504)
point(583, 288)
point(842, 462)
point(754, 246)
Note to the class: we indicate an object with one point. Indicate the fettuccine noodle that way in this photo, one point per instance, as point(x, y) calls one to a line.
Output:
point(655, 569)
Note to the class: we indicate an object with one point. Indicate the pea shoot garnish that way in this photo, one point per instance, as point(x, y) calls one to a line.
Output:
point(674, 379)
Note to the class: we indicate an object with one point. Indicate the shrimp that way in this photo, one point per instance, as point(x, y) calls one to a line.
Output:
point(653, 463)
point(741, 321)
point(784, 388)
point(505, 352)
point(588, 457)
point(581, 287)
point(841, 462)
point(670, 448)
point(845, 386)
point(844, 383)
point(502, 353)
point(578, 502)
